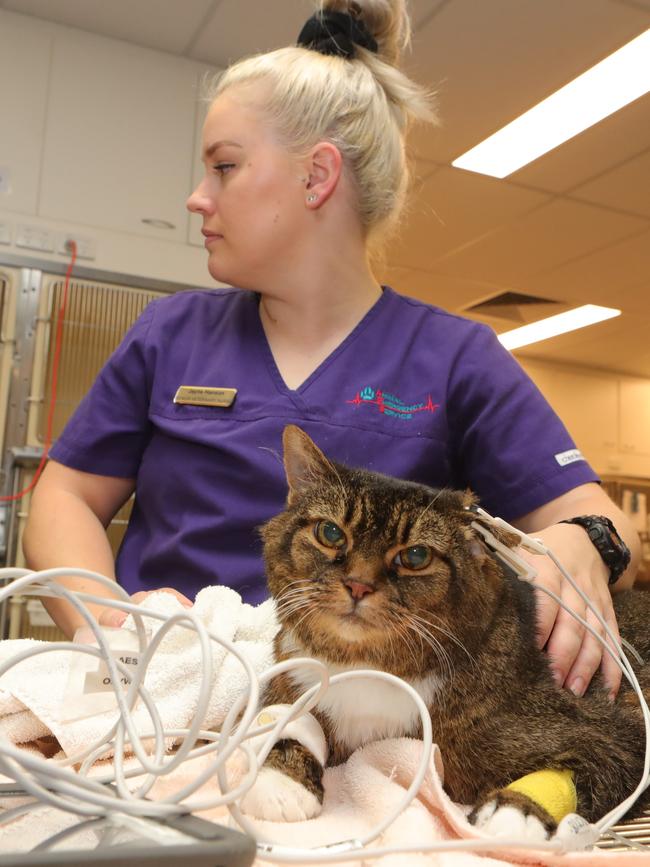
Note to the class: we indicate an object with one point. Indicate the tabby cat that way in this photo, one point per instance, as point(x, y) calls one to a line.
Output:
point(373, 572)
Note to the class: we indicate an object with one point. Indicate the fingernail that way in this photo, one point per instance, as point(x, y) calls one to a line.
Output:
point(612, 697)
point(557, 676)
point(116, 619)
point(578, 687)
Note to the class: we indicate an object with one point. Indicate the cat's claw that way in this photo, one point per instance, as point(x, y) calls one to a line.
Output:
point(508, 821)
point(275, 797)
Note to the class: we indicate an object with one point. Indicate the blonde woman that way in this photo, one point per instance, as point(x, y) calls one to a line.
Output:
point(305, 173)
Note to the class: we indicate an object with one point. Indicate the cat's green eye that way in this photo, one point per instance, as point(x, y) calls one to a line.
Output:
point(329, 534)
point(416, 557)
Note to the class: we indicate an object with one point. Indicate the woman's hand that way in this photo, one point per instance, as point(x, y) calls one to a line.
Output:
point(575, 655)
point(115, 618)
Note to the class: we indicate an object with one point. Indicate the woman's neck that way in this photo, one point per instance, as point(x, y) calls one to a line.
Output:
point(305, 323)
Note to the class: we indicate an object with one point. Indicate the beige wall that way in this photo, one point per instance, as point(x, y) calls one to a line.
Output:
point(608, 414)
point(97, 135)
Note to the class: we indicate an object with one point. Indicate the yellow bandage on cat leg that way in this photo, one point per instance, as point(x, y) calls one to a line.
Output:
point(553, 790)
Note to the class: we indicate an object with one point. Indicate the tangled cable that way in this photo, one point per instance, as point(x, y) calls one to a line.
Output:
point(54, 781)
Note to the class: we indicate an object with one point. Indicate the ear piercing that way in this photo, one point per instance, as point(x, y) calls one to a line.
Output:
point(313, 197)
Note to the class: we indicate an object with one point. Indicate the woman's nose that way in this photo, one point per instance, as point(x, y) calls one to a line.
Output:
point(199, 202)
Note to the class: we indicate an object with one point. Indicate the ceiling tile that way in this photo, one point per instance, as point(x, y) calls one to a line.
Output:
point(453, 208)
point(601, 346)
point(620, 187)
point(639, 4)
point(617, 275)
point(605, 145)
point(451, 293)
point(151, 23)
point(548, 237)
point(423, 10)
point(242, 27)
point(540, 46)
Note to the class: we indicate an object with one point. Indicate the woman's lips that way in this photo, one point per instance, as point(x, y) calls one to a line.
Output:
point(210, 237)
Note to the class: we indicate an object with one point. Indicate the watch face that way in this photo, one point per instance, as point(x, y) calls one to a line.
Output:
point(608, 543)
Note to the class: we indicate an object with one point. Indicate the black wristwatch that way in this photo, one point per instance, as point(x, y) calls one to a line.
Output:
point(610, 546)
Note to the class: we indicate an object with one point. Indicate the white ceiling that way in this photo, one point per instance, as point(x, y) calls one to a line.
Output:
point(573, 226)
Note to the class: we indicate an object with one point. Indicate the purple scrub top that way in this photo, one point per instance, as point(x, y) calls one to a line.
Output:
point(413, 391)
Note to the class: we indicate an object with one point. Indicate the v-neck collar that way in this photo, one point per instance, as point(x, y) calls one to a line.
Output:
point(272, 367)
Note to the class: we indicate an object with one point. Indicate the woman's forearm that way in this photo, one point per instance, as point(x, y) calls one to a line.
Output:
point(63, 531)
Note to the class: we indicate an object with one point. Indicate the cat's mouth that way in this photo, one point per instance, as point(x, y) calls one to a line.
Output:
point(357, 615)
point(353, 625)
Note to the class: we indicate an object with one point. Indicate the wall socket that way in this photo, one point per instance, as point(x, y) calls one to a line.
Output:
point(34, 238)
point(85, 246)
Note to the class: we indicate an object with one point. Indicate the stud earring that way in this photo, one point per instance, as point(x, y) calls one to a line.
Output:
point(312, 198)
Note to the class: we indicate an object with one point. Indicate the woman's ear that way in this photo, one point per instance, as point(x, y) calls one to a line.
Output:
point(323, 170)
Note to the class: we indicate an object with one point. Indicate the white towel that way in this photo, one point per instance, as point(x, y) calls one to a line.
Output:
point(32, 693)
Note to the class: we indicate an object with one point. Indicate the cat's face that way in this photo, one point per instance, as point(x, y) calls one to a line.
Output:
point(365, 568)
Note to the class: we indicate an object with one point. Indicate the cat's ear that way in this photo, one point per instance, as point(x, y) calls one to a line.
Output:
point(304, 462)
point(477, 543)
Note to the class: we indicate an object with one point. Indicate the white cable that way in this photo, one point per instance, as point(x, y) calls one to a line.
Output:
point(615, 651)
point(611, 818)
point(75, 792)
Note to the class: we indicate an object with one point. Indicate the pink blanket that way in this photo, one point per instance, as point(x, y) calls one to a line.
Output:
point(358, 795)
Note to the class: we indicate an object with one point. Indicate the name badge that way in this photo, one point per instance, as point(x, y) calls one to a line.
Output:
point(201, 395)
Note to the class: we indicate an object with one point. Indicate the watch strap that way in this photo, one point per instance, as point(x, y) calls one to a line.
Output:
point(605, 538)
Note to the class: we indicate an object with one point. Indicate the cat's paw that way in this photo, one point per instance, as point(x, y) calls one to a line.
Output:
point(510, 814)
point(276, 797)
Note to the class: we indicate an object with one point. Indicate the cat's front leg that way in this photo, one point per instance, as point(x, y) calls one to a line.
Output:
point(529, 808)
point(289, 786)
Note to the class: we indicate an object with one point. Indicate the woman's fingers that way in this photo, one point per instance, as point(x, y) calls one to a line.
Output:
point(114, 617)
point(574, 653)
point(593, 655)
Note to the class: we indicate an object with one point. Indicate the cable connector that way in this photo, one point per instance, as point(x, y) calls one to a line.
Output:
point(514, 561)
point(529, 543)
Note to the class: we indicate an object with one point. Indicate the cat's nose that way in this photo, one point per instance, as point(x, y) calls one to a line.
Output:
point(357, 589)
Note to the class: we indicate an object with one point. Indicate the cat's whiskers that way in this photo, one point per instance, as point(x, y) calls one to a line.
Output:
point(292, 595)
point(285, 613)
point(442, 629)
point(287, 594)
point(288, 602)
point(311, 611)
point(439, 651)
point(407, 640)
point(440, 648)
point(298, 585)
point(429, 505)
point(289, 609)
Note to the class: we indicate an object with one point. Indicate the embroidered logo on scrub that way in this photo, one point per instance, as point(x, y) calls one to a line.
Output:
point(389, 404)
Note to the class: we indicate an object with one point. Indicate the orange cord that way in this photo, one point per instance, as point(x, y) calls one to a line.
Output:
point(55, 374)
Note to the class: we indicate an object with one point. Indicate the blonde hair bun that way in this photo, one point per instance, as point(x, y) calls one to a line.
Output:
point(387, 21)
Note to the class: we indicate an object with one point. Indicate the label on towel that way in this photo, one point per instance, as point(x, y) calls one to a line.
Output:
point(90, 688)
point(101, 680)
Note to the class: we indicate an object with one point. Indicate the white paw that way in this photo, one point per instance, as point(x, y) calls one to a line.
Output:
point(508, 821)
point(277, 798)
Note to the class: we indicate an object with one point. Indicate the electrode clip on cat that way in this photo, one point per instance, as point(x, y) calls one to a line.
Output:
point(63, 788)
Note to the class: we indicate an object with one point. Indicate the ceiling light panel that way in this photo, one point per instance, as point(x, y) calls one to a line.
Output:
point(609, 85)
point(561, 323)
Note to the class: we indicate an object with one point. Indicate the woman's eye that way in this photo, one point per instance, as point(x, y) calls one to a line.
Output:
point(329, 534)
point(223, 168)
point(414, 558)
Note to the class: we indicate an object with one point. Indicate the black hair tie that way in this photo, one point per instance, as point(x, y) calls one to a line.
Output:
point(336, 33)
